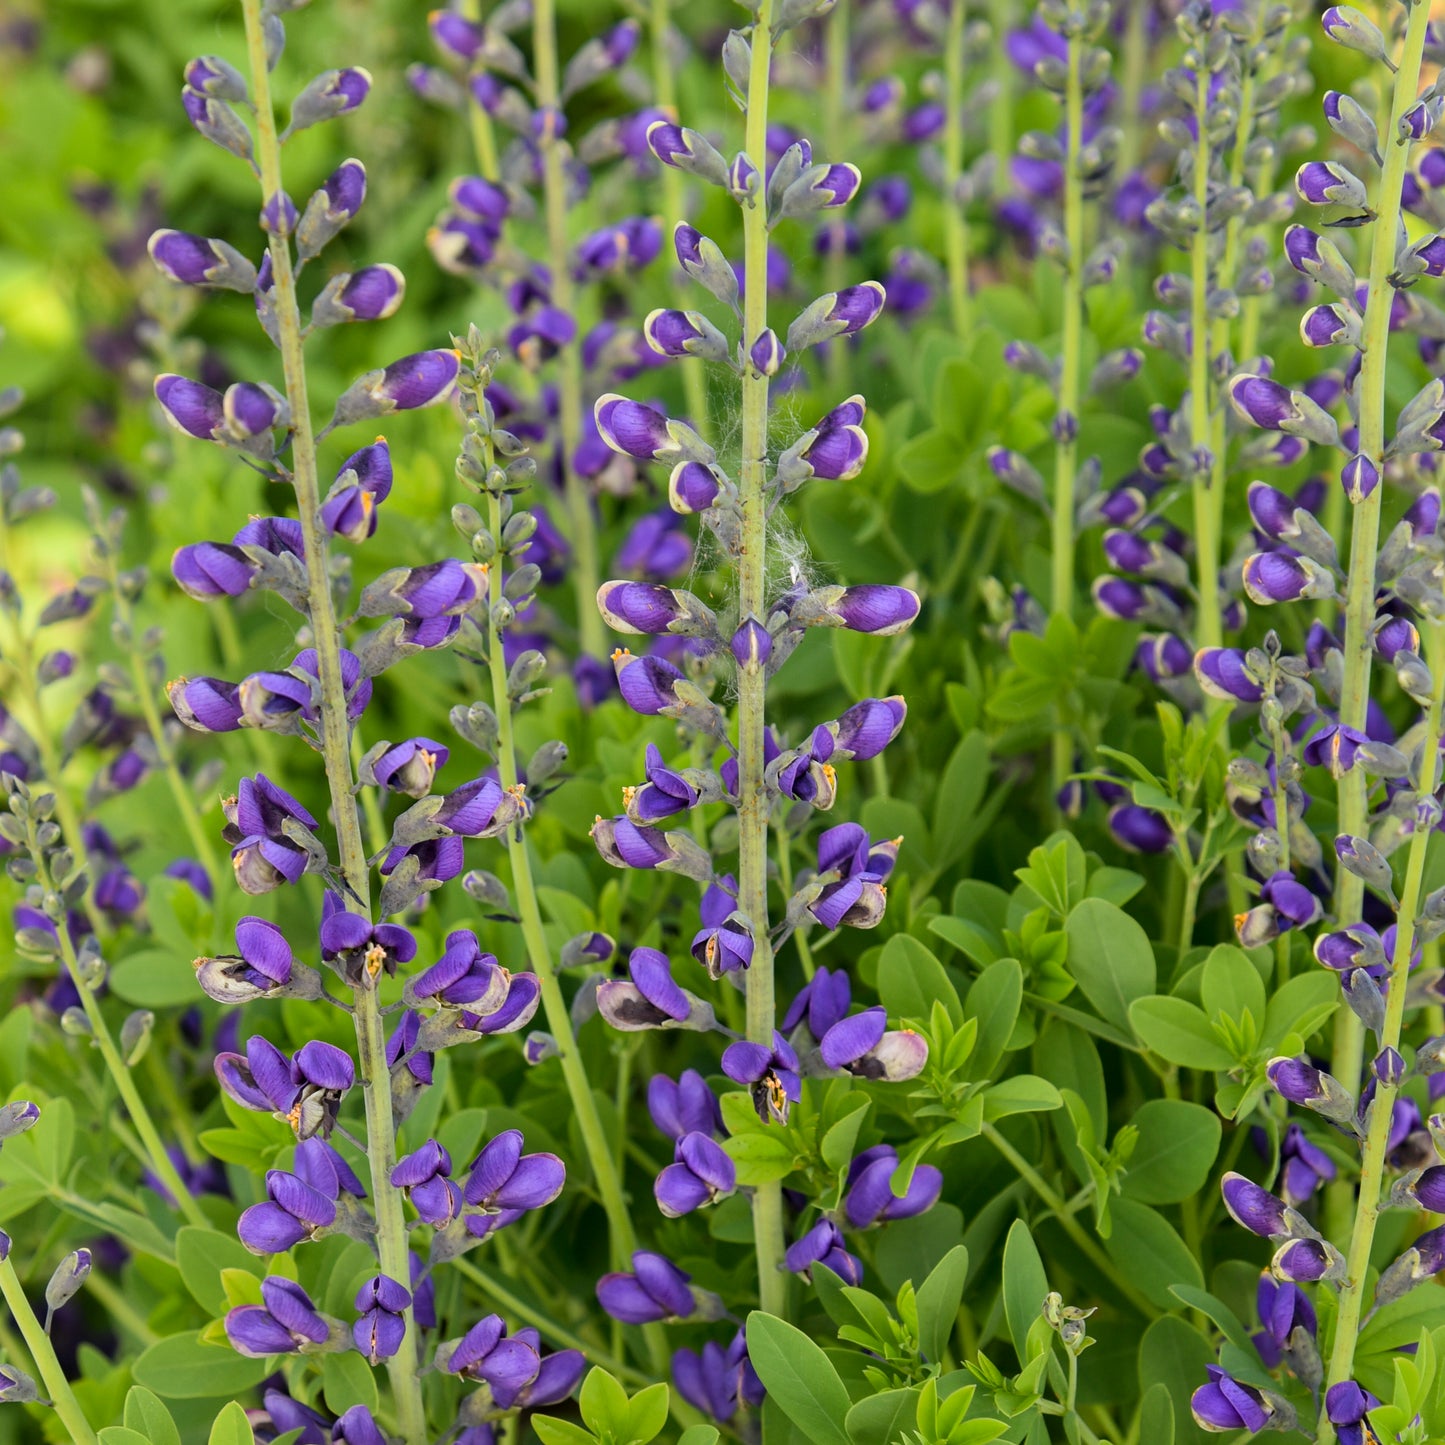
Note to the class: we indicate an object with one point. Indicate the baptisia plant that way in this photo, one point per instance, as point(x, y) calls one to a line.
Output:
point(325, 1093)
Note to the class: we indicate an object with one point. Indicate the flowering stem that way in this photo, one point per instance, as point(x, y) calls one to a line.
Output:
point(484, 138)
point(674, 200)
point(1349, 1038)
point(375, 1074)
point(155, 1150)
point(1382, 1108)
point(62, 1397)
point(1135, 72)
point(835, 121)
point(752, 581)
point(539, 955)
point(569, 357)
point(955, 221)
point(1067, 417)
point(1209, 475)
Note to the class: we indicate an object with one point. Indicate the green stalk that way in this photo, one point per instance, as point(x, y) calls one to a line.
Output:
point(1134, 72)
point(1349, 1041)
point(1372, 1164)
point(605, 1170)
point(181, 793)
point(835, 127)
point(954, 219)
point(1002, 15)
point(752, 588)
point(569, 358)
point(484, 138)
point(674, 198)
point(62, 1397)
point(1209, 629)
point(375, 1074)
point(1066, 451)
point(155, 1150)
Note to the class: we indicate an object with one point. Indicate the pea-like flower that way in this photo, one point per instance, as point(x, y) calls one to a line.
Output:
point(1227, 1404)
point(200, 261)
point(285, 1323)
point(463, 977)
point(864, 1045)
point(261, 825)
point(305, 1090)
point(655, 1290)
point(363, 482)
point(380, 1326)
point(504, 1183)
point(1347, 1405)
point(683, 1106)
point(718, 1380)
point(1283, 1308)
point(858, 898)
point(263, 966)
point(724, 944)
point(424, 1175)
point(293, 1211)
point(870, 1198)
point(359, 950)
point(823, 1244)
point(1255, 1208)
point(700, 1174)
point(649, 998)
point(205, 704)
point(769, 1074)
point(822, 1002)
point(485, 1354)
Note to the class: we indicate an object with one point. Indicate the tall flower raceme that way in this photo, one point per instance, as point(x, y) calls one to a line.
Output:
point(322, 1091)
point(545, 170)
point(1356, 312)
point(755, 771)
point(1066, 62)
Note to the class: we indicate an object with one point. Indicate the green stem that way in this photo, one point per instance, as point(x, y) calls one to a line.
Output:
point(375, 1074)
point(484, 137)
point(753, 806)
point(569, 357)
point(1002, 15)
point(605, 1169)
point(1066, 449)
point(1349, 1040)
point(955, 219)
point(155, 1150)
point(1059, 1209)
point(1372, 1164)
point(1208, 625)
point(62, 1397)
point(1134, 72)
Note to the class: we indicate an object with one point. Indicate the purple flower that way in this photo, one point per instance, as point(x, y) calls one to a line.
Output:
point(1140, 830)
point(686, 1106)
point(717, 1380)
point(870, 1198)
point(205, 704)
point(423, 1174)
point(263, 854)
point(410, 767)
point(1256, 1209)
point(724, 944)
point(649, 998)
point(1283, 1308)
point(485, 1354)
point(1271, 577)
point(288, 1414)
point(858, 898)
point(770, 1074)
point(822, 1002)
point(380, 1327)
point(294, 1211)
point(305, 1090)
point(701, 1174)
point(361, 950)
point(200, 261)
point(504, 1183)
point(463, 976)
point(1226, 1404)
point(284, 1323)
point(363, 481)
point(1325, 183)
point(197, 410)
point(823, 1244)
point(655, 1290)
point(261, 966)
point(863, 1045)
point(1347, 1405)
point(418, 380)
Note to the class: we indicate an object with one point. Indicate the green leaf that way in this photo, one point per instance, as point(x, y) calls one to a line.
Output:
point(761, 1157)
point(231, 1427)
point(1024, 1284)
point(1111, 958)
point(699, 1435)
point(1068, 1058)
point(156, 979)
point(347, 1380)
point(939, 1297)
point(960, 791)
point(1231, 984)
point(882, 1418)
point(1174, 1354)
point(929, 461)
point(910, 978)
point(1215, 1309)
point(1178, 1032)
point(1299, 999)
point(603, 1402)
point(1021, 1094)
point(121, 1435)
point(182, 1368)
point(646, 1414)
point(1156, 1415)
point(564, 1432)
point(799, 1377)
point(201, 1255)
point(146, 1413)
point(1177, 1145)
point(994, 1000)
point(1147, 1249)
point(836, 1146)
